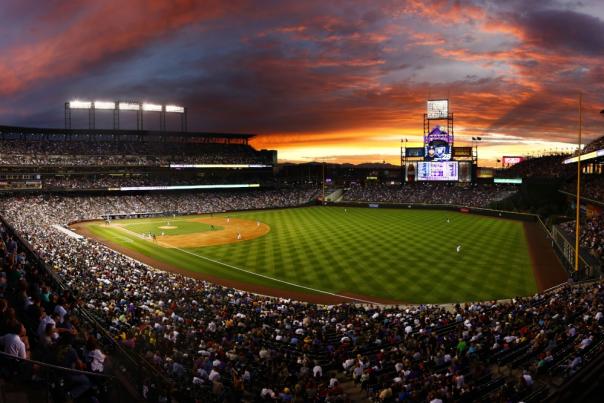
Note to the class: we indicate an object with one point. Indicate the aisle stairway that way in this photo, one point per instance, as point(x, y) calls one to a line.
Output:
point(354, 392)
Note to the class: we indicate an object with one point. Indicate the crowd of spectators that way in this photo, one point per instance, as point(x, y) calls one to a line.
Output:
point(595, 145)
point(591, 235)
point(110, 153)
point(592, 187)
point(104, 181)
point(431, 193)
point(548, 166)
point(229, 345)
point(38, 321)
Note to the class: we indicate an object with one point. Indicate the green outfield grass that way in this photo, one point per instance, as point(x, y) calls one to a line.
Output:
point(404, 255)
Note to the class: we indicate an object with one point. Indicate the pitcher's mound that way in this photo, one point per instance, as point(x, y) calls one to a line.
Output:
point(168, 227)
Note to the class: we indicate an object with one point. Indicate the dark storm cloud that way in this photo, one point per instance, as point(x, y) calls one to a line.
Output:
point(565, 30)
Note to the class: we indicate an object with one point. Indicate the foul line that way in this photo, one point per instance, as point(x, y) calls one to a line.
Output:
point(251, 272)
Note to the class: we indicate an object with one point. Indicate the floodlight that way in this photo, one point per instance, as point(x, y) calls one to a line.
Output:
point(80, 105)
point(129, 106)
point(104, 105)
point(152, 107)
point(174, 108)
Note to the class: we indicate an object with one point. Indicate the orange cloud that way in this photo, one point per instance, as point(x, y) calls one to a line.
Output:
point(95, 34)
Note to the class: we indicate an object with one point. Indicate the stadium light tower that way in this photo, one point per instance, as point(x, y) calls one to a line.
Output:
point(119, 106)
point(475, 141)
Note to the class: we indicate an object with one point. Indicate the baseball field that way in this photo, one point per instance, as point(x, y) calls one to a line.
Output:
point(333, 254)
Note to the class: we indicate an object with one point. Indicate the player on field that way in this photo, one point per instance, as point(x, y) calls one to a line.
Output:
point(458, 248)
point(239, 236)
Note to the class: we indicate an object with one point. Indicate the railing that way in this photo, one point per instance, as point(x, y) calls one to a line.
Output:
point(597, 202)
point(587, 264)
point(55, 381)
point(137, 367)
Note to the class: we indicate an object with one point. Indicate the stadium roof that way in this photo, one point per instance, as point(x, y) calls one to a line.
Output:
point(121, 132)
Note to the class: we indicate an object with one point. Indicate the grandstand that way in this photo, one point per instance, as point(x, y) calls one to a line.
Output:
point(41, 159)
point(83, 321)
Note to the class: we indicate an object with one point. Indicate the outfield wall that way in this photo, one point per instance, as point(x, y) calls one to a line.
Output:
point(451, 207)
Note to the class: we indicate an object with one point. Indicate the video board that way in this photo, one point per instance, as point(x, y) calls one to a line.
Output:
point(437, 171)
point(515, 181)
point(483, 172)
point(438, 144)
point(509, 161)
point(414, 152)
point(462, 152)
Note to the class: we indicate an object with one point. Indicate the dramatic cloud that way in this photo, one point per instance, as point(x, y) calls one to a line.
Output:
point(316, 78)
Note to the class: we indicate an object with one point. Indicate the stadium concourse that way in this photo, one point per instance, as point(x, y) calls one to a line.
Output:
point(219, 344)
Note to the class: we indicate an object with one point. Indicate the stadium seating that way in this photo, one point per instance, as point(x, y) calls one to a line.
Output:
point(219, 344)
point(548, 166)
point(431, 193)
point(134, 153)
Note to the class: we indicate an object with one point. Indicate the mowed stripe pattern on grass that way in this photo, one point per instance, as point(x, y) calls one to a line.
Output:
point(396, 254)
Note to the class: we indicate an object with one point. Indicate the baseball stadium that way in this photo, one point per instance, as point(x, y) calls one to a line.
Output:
point(198, 237)
point(291, 202)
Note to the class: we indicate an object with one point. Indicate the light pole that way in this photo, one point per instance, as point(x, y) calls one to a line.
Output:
point(403, 159)
point(323, 182)
point(578, 201)
point(475, 141)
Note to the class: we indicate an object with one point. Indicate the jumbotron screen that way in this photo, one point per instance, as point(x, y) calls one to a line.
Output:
point(437, 171)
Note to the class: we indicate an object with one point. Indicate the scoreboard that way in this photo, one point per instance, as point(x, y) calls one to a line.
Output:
point(437, 109)
point(437, 171)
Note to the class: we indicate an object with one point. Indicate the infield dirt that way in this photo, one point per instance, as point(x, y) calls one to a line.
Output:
point(233, 230)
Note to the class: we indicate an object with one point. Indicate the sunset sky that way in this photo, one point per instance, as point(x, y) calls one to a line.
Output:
point(337, 80)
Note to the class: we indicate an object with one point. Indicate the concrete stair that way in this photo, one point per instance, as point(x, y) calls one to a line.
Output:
point(354, 392)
